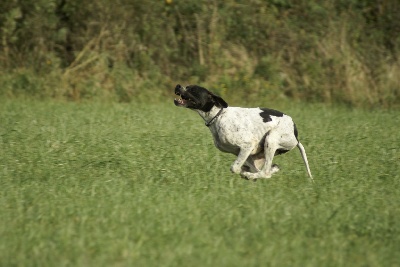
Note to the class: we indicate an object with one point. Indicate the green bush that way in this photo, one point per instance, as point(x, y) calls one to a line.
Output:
point(331, 51)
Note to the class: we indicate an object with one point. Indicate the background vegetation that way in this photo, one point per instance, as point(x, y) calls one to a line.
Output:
point(114, 184)
point(100, 183)
point(325, 51)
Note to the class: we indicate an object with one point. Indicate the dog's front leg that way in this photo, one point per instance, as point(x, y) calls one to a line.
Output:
point(241, 159)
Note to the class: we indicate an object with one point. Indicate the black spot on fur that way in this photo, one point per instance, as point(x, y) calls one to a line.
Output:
point(267, 113)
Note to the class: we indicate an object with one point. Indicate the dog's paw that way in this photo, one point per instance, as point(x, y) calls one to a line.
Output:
point(255, 176)
point(243, 175)
point(236, 169)
point(252, 176)
point(275, 168)
point(247, 176)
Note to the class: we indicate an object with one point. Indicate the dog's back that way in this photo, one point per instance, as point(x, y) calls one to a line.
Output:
point(237, 126)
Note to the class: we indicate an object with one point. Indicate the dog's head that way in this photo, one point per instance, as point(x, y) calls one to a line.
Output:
point(196, 97)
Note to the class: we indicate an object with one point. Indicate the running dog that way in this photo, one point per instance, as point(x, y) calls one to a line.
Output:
point(254, 135)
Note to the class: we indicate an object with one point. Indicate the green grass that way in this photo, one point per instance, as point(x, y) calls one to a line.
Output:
point(91, 184)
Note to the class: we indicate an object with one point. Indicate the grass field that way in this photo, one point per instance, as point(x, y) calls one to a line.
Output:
point(92, 184)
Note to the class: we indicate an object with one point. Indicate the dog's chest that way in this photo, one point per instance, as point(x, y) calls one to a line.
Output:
point(225, 141)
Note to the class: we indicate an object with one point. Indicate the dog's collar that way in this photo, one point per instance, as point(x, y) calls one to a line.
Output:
point(216, 116)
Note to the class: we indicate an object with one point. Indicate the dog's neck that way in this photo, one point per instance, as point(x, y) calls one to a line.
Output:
point(210, 116)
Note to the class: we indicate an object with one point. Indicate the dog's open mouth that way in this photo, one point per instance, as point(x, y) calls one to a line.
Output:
point(182, 101)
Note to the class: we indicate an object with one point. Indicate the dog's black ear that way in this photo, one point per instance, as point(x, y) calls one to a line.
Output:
point(219, 100)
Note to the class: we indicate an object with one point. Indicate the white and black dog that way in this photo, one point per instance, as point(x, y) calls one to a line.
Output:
point(254, 135)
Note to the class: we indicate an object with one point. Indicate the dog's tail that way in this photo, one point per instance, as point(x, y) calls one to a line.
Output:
point(304, 156)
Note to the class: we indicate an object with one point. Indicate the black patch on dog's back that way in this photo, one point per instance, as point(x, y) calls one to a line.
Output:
point(267, 113)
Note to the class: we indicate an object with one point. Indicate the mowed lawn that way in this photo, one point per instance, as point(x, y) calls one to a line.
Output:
point(94, 184)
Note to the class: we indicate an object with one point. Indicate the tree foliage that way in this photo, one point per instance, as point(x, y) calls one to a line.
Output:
point(345, 51)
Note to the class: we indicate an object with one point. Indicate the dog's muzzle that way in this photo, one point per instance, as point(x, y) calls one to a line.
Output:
point(182, 101)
